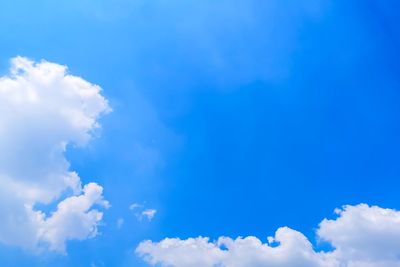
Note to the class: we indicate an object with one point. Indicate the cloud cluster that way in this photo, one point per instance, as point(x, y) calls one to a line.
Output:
point(43, 109)
point(361, 236)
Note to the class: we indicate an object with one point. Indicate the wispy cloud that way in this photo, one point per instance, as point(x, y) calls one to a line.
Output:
point(143, 212)
point(135, 206)
point(149, 214)
point(120, 223)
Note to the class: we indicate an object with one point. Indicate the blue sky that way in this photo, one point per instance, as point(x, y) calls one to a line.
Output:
point(228, 118)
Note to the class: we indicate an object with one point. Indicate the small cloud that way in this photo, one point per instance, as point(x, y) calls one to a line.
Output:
point(142, 211)
point(120, 222)
point(97, 264)
point(149, 214)
point(135, 206)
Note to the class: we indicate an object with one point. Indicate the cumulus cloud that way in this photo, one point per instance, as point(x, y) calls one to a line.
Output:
point(294, 250)
point(361, 236)
point(43, 109)
point(364, 236)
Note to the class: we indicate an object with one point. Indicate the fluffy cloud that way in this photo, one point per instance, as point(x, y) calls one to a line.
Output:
point(294, 250)
point(43, 109)
point(361, 236)
point(364, 236)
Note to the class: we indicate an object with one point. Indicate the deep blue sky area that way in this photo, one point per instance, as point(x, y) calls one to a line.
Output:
point(229, 117)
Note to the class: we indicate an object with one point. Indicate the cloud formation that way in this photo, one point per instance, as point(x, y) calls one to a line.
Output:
point(361, 236)
point(43, 109)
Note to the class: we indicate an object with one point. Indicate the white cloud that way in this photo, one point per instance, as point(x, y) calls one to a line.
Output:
point(135, 206)
point(362, 236)
point(143, 212)
point(294, 250)
point(43, 109)
point(148, 213)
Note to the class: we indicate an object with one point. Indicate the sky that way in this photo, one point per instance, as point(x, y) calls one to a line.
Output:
point(207, 133)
